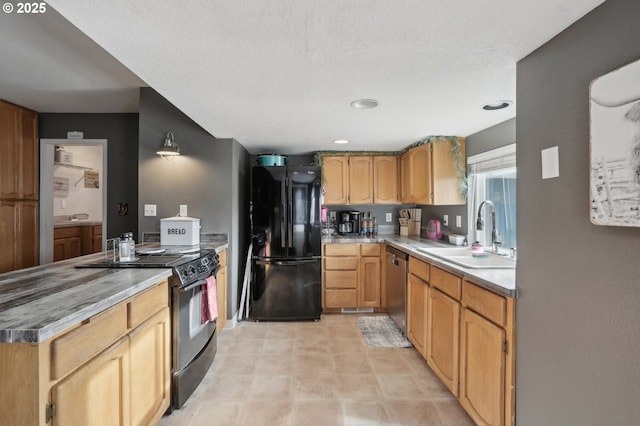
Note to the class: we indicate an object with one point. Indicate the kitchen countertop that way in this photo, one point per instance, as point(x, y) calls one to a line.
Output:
point(501, 281)
point(79, 222)
point(39, 302)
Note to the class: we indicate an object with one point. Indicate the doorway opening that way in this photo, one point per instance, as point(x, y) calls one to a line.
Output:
point(73, 177)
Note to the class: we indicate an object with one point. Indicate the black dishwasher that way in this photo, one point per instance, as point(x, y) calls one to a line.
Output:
point(397, 287)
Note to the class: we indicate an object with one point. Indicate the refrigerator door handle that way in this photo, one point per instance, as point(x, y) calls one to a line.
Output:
point(290, 213)
point(283, 214)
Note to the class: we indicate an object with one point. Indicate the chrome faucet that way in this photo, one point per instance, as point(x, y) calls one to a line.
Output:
point(496, 236)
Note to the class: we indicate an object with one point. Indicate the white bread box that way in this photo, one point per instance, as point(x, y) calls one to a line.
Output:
point(179, 231)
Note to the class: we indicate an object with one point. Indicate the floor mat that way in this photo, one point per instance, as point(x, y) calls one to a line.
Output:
point(381, 332)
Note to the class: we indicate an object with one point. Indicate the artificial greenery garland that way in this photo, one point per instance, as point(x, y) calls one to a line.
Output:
point(456, 153)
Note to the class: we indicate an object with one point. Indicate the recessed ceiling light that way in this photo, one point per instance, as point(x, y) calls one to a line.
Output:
point(364, 103)
point(496, 105)
point(341, 141)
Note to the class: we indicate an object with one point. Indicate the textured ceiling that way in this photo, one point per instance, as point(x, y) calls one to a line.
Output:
point(279, 75)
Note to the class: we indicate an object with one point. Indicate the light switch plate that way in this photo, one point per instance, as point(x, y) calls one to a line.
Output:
point(445, 220)
point(388, 217)
point(183, 210)
point(458, 221)
point(149, 209)
point(550, 163)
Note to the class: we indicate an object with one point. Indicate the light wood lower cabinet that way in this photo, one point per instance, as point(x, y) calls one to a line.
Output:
point(221, 294)
point(351, 275)
point(487, 353)
point(97, 392)
point(443, 336)
point(150, 369)
point(113, 368)
point(417, 296)
point(467, 335)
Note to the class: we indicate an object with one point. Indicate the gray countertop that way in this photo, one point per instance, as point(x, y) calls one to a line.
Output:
point(71, 223)
point(39, 302)
point(501, 281)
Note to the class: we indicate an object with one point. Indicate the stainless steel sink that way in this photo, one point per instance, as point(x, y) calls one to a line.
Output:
point(462, 256)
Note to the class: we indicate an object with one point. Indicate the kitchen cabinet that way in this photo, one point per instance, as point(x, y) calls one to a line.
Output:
point(351, 275)
point(360, 179)
point(221, 291)
point(18, 152)
point(487, 390)
point(18, 187)
point(112, 368)
point(385, 179)
point(340, 275)
point(97, 393)
point(417, 305)
point(335, 173)
point(443, 327)
point(18, 234)
point(369, 276)
point(91, 239)
point(429, 174)
point(67, 243)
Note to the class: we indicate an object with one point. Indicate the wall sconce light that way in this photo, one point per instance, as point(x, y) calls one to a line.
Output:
point(169, 147)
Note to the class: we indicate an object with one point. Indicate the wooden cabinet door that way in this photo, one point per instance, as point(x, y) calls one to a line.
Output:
point(421, 181)
point(335, 172)
point(417, 313)
point(482, 369)
point(29, 151)
point(385, 179)
point(369, 285)
point(98, 392)
point(446, 182)
point(9, 226)
point(150, 358)
point(9, 151)
point(360, 179)
point(28, 245)
point(443, 332)
point(405, 178)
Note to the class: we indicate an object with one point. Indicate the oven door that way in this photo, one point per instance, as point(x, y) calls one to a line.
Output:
point(190, 334)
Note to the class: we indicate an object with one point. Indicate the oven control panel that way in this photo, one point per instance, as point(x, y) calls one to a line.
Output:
point(200, 268)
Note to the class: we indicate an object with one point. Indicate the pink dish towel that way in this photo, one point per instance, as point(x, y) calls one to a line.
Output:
point(209, 311)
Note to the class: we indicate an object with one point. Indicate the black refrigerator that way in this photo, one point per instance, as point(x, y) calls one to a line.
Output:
point(286, 258)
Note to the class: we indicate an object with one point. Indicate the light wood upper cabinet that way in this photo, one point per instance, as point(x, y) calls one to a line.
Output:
point(385, 179)
point(445, 180)
point(429, 174)
point(360, 179)
point(335, 172)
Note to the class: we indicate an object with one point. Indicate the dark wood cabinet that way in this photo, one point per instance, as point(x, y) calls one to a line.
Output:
point(18, 187)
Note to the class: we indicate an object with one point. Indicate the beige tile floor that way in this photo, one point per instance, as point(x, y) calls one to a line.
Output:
point(315, 373)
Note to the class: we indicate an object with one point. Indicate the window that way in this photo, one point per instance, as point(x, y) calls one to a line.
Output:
point(492, 176)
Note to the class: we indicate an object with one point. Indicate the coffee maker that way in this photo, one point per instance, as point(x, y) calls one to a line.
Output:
point(349, 222)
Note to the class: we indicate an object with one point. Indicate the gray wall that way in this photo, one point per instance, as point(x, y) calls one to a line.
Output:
point(121, 132)
point(578, 313)
point(210, 177)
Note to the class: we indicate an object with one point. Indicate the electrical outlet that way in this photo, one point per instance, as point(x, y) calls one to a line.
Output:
point(183, 210)
point(63, 203)
point(445, 220)
point(149, 209)
point(388, 217)
point(459, 221)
